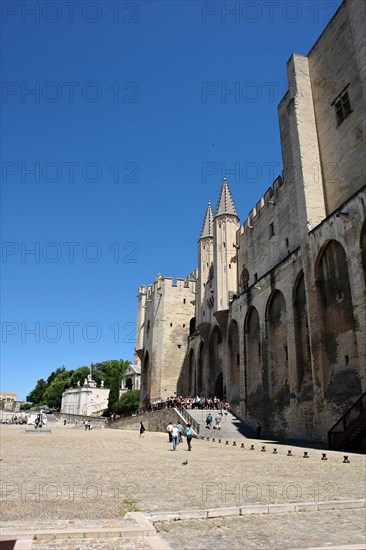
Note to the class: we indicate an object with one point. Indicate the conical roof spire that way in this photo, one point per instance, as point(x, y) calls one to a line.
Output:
point(226, 204)
point(207, 227)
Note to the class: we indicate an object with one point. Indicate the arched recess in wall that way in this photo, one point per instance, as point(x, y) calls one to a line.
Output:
point(233, 390)
point(145, 380)
point(337, 325)
point(276, 370)
point(252, 360)
point(244, 279)
point(363, 249)
point(215, 375)
point(302, 340)
point(200, 367)
point(191, 373)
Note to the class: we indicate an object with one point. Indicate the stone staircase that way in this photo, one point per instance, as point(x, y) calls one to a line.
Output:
point(231, 426)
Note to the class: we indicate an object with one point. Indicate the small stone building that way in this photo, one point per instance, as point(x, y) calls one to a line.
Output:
point(86, 400)
point(131, 378)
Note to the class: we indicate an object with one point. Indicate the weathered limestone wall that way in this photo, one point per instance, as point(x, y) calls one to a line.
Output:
point(335, 62)
point(169, 310)
point(84, 400)
point(155, 421)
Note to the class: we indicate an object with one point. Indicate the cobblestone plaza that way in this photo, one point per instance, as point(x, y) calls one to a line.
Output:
point(112, 489)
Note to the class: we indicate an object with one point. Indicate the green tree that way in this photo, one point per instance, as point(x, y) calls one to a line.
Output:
point(54, 391)
point(110, 369)
point(114, 392)
point(36, 396)
point(79, 375)
point(128, 403)
point(56, 374)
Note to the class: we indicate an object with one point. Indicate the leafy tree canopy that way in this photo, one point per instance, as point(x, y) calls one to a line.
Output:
point(128, 403)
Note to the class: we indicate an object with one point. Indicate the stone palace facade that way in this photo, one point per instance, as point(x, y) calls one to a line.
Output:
point(274, 317)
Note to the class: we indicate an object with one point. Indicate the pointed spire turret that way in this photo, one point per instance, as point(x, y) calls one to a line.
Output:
point(207, 227)
point(226, 204)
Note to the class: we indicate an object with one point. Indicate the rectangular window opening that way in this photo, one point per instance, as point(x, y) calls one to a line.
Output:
point(342, 106)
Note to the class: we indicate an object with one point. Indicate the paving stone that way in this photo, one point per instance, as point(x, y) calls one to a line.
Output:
point(98, 480)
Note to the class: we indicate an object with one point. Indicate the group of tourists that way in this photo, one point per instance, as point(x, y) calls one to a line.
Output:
point(175, 434)
point(198, 402)
point(217, 418)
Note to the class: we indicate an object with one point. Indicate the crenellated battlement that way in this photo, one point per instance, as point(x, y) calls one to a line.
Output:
point(162, 284)
point(270, 198)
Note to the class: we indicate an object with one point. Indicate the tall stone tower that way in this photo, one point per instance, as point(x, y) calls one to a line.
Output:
point(226, 224)
point(205, 268)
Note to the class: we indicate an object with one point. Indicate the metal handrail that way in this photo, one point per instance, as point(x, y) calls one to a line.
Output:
point(189, 419)
point(343, 420)
point(342, 424)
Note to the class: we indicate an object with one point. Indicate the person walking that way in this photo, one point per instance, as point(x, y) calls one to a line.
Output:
point(142, 429)
point(180, 430)
point(259, 430)
point(169, 430)
point(175, 435)
point(189, 435)
point(208, 421)
point(218, 421)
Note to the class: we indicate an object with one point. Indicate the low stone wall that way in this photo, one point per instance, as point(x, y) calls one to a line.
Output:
point(155, 421)
point(78, 419)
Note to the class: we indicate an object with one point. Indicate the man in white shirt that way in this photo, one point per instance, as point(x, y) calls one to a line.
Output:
point(175, 435)
point(169, 430)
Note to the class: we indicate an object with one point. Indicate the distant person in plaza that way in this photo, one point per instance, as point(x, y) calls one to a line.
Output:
point(85, 424)
point(189, 435)
point(175, 435)
point(169, 430)
point(218, 421)
point(259, 429)
point(208, 421)
point(142, 429)
point(65, 422)
point(180, 430)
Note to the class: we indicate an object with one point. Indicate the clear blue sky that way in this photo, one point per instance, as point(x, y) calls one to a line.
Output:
point(129, 129)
